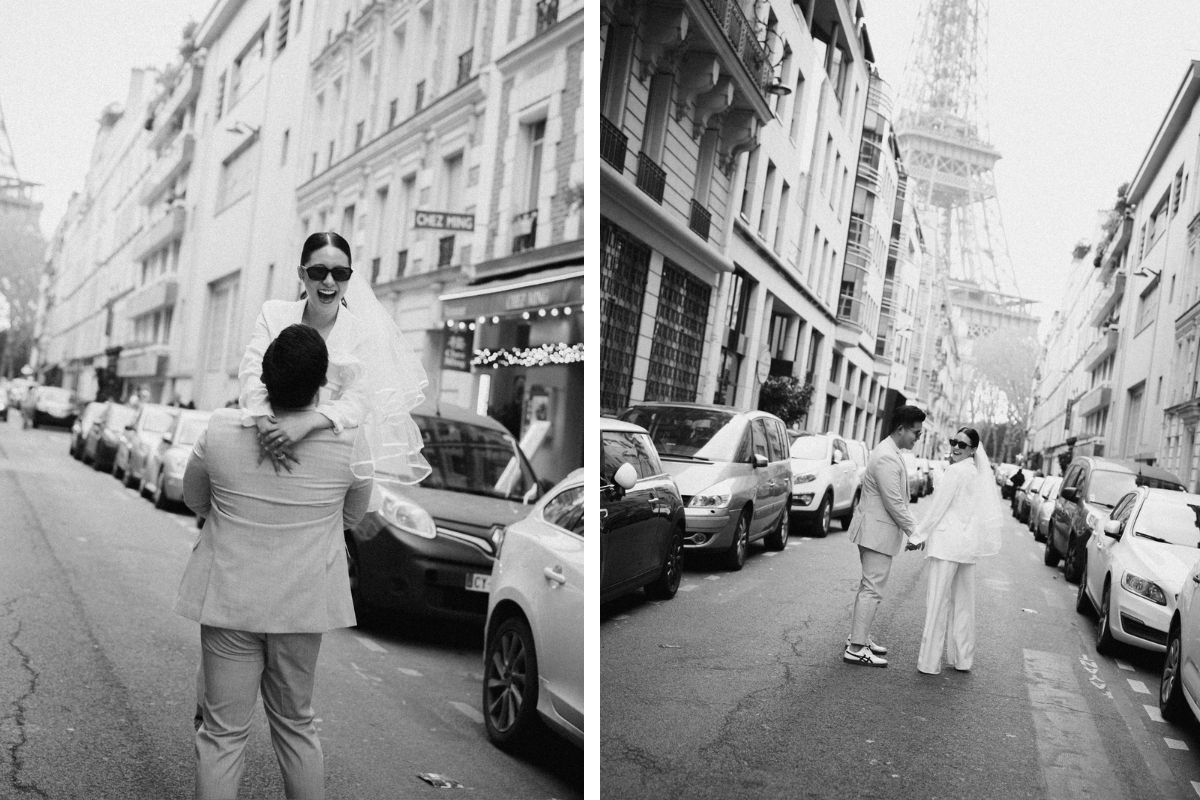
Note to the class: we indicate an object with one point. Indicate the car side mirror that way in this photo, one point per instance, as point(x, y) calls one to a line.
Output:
point(129, 427)
point(168, 437)
point(760, 461)
point(625, 476)
point(1112, 528)
point(1070, 494)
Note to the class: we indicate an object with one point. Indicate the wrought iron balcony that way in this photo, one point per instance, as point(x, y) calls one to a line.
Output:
point(524, 231)
point(651, 178)
point(464, 67)
point(613, 144)
point(701, 220)
point(739, 32)
point(547, 15)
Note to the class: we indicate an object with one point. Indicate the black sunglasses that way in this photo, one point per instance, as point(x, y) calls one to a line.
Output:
point(317, 272)
point(959, 443)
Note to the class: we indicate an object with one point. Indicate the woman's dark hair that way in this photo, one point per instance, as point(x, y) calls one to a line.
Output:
point(324, 239)
point(972, 434)
point(294, 366)
point(905, 416)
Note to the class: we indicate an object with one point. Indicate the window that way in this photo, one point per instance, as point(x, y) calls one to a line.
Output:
point(1176, 189)
point(392, 108)
point(764, 215)
point(281, 36)
point(1147, 306)
point(299, 14)
point(452, 180)
point(777, 440)
point(566, 510)
point(283, 150)
point(221, 351)
point(220, 95)
point(751, 179)
point(248, 67)
point(359, 129)
point(526, 218)
point(835, 367)
point(785, 197)
point(237, 174)
point(348, 222)
point(759, 439)
point(797, 106)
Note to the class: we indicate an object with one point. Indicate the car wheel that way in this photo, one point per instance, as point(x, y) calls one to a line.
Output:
point(116, 470)
point(824, 517)
point(1082, 604)
point(1073, 567)
point(131, 480)
point(1105, 643)
point(777, 539)
point(510, 685)
point(160, 493)
point(666, 584)
point(1038, 536)
point(735, 556)
point(849, 518)
point(1171, 703)
point(1052, 557)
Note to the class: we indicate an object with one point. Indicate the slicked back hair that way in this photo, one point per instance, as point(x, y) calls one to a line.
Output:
point(294, 366)
point(905, 416)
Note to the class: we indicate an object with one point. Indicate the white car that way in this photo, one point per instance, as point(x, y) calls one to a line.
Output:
point(825, 482)
point(859, 453)
point(1135, 565)
point(533, 644)
point(1042, 506)
point(915, 479)
point(1179, 690)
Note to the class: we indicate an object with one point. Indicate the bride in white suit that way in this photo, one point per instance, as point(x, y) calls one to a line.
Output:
point(961, 526)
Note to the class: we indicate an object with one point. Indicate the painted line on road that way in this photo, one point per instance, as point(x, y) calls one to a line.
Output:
point(770, 555)
point(1070, 750)
point(712, 578)
point(1175, 744)
point(469, 711)
point(370, 645)
point(412, 673)
point(1196, 788)
point(366, 676)
point(1153, 713)
point(688, 588)
point(1137, 686)
point(1053, 600)
point(1124, 666)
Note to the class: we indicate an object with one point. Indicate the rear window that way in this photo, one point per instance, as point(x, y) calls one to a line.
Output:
point(119, 417)
point(473, 459)
point(1106, 488)
point(813, 447)
point(707, 433)
point(157, 420)
point(1171, 521)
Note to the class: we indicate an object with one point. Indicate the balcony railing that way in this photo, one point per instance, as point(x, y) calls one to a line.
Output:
point(464, 67)
point(547, 14)
point(701, 220)
point(524, 231)
point(739, 32)
point(879, 98)
point(651, 178)
point(613, 144)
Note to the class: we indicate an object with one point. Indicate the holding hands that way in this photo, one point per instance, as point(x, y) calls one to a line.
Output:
point(277, 437)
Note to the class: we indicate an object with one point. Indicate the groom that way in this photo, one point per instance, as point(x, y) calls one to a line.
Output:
point(881, 525)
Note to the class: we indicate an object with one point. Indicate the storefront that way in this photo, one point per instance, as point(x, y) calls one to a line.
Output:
point(514, 346)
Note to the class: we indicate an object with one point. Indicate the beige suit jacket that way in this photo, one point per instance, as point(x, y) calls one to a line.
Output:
point(883, 519)
point(271, 557)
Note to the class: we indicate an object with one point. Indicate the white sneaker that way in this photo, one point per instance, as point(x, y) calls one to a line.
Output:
point(877, 649)
point(864, 658)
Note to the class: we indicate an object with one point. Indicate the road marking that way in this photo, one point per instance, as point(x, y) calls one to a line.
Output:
point(1153, 713)
point(1196, 787)
point(1125, 666)
point(370, 645)
point(689, 587)
point(1138, 686)
point(620, 617)
point(364, 675)
point(1070, 751)
point(469, 711)
point(1053, 600)
point(412, 673)
point(770, 555)
point(1175, 744)
point(713, 578)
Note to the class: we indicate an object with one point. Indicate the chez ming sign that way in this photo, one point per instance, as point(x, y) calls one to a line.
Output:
point(444, 220)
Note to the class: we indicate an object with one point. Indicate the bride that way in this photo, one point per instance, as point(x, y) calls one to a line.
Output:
point(961, 526)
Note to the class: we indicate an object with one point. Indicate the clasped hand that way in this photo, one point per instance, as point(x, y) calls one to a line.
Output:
point(911, 546)
point(276, 438)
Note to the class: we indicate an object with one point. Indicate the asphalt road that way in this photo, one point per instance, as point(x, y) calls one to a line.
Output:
point(97, 675)
point(736, 689)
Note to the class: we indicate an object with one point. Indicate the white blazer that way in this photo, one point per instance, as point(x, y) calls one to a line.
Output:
point(948, 524)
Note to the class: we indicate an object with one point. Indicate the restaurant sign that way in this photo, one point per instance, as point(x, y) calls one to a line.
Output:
point(458, 350)
point(444, 220)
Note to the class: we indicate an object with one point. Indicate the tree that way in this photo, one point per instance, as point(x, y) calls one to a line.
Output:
point(786, 397)
point(1006, 363)
point(24, 250)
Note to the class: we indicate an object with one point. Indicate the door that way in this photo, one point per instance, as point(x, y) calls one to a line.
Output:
point(764, 488)
point(1100, 548)
point(780, 468)
point(843, 471)
point(626, 517)
point(559, 609)
point(1064, 510)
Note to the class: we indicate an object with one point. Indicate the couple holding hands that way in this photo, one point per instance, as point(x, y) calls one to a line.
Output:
point(961, 526)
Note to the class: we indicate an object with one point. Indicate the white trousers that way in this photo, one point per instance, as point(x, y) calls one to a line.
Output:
point(949, 616)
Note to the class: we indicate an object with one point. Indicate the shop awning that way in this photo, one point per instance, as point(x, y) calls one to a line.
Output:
point(551, 288)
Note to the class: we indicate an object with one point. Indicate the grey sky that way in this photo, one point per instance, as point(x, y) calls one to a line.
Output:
point(1075, 98)
point(62, 62)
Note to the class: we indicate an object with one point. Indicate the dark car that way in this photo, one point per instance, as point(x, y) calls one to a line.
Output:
point(1024, 496)
point(429, 549)
point(139, 440)
point(1090, 490)
point(642, 517)
point(102, 441)
point(83, 426)
point(48, 405)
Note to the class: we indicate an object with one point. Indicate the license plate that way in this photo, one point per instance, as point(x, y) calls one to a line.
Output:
point(477, 582)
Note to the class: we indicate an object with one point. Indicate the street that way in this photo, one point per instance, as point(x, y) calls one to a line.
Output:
point(736, 688)
point(97, 674)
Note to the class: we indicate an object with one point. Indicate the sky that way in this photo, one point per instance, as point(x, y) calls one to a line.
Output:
point(62, 62)
point(1076, 93)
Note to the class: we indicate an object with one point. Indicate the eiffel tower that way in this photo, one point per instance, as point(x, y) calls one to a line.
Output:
point(13, 190)
point(942, 131)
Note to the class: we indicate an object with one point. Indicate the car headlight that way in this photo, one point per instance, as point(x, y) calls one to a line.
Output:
point(710, 498)
point(407, 516)
point(805, 477)
point(1144, 588)
point(497, 537)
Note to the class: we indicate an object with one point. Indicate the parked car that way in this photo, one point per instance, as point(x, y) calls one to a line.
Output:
point(1025, 494)
point(429, 549)
point(533, 640)
point(1007, 489)
point(83, 426)
point(925, 475)
point(913, 469)
point(1179, 689)
point(642, 517)
point(1043, 505)
point(1135, 564)
point(825, 480)
point(139, 439)
point(48, 405)
point(1090, 489)
point(859, 453)
point(162, 475)
point(3, 404)
point(733, 470)
point(102, 440)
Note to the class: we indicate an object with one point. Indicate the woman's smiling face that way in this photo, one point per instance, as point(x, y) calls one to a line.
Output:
point(324, 295)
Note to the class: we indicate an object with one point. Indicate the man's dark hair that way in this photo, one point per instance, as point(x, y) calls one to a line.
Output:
point(294, 366)
point(905, 416)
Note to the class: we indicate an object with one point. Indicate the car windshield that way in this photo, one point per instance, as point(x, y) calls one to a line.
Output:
point(190, 429)
point(473, 459)
point(1175, 521)
point(54, 394)
point(157, 420)
point(813, 447)
point(708, 433)
point(1106, 488)
point(119, 417)
point(1050, 486)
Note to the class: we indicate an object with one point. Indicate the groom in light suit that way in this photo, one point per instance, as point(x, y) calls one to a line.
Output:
point(881, 525)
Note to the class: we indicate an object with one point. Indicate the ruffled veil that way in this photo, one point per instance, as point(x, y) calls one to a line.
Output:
point(988, 515)
point(394, 379)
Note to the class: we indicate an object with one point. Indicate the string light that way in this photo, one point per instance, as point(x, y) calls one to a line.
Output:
point(541, 356)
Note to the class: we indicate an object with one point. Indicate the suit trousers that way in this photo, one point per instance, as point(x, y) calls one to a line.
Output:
point(949, 616)
point(235, 666)
point(876, 567)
